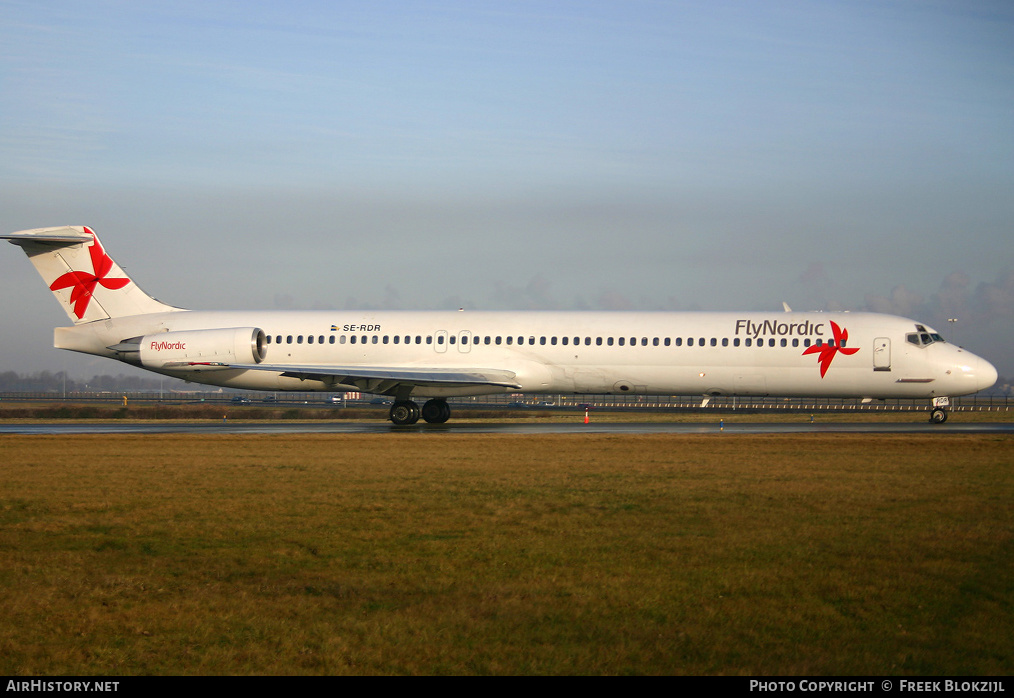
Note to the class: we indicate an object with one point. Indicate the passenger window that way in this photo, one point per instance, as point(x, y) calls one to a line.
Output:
point(309, 340)
point(299, 339)
point(714, 342)
point(690, 341)
point(621, 341)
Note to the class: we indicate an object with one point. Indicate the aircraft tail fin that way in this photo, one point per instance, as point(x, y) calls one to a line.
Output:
point(88, 284)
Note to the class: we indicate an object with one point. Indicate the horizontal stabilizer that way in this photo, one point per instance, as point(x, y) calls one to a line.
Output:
point(51, 236)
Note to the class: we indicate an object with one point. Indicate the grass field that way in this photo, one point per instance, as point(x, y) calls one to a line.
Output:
point(436, 553)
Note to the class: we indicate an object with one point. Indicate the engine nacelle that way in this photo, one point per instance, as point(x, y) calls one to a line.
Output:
point(202, 350)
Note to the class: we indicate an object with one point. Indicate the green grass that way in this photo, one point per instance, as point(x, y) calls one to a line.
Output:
point(415, 553)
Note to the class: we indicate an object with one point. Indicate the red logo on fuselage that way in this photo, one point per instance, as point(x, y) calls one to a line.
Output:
point(83, 283)
point(826, 352)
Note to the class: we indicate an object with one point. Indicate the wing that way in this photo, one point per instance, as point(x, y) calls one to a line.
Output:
point(386, 379)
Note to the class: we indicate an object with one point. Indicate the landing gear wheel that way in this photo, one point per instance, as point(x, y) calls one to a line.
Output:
point(938, 416)
point(436, 411)
point(404, 412)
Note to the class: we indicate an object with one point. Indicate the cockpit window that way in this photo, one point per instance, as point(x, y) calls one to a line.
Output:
point(923, 339)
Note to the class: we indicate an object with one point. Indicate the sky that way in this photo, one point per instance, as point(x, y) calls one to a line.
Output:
point(853, 155)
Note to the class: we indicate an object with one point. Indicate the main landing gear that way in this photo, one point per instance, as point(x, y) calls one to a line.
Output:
point(405, 412)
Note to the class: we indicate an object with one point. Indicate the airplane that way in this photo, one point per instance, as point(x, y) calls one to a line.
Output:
point(408, 355)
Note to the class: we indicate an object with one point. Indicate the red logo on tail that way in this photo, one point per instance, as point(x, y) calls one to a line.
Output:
point(84, 283)
point(826, 352)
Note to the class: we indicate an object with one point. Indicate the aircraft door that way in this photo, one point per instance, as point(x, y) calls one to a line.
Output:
point(464, 341)
point(440, 341)
point(882, 354)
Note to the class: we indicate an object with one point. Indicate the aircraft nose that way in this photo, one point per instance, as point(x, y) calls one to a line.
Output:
point(985, 374)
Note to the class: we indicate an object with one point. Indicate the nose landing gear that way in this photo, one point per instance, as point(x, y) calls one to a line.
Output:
point(938, 415)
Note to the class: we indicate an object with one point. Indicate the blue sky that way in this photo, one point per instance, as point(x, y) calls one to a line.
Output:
point(645, 155)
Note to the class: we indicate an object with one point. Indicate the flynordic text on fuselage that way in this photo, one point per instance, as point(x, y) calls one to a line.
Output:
point(769, 327)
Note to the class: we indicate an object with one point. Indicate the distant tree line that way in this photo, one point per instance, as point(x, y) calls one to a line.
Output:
point(58, 382)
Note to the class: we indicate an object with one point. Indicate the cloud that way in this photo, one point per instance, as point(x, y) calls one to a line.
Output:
point(535, 295)
point(995, 301)
point(902, 302)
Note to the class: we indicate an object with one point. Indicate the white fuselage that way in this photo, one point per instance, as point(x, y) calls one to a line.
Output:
point(704, 353)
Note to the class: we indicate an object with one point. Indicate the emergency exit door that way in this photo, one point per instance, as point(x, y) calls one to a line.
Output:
point(882, 354)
